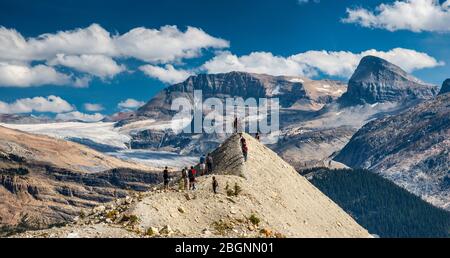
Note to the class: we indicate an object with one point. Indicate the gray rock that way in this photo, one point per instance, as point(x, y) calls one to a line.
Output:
point(166, 230)
point(99, 209)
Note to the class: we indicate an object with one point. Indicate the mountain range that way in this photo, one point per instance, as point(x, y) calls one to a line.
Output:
point(410, 148)
point(384, 120)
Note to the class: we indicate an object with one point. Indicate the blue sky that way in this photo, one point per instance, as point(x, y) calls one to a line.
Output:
point(253, 35)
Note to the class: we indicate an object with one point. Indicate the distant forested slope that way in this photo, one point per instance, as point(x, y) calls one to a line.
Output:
point(379, 205)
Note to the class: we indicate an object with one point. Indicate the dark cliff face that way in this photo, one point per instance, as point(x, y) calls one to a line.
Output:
point(36, 194)
point(377, 80)
point(233, 84)
point(49, 195)
point(445, 87)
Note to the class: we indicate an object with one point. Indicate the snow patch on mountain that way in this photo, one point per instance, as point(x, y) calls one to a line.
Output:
point(100, 132)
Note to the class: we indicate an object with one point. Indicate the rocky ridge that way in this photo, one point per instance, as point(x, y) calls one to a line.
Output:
point(263, 197)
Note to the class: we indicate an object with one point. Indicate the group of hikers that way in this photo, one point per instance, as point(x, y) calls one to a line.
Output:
point(244, 146)
point(205, 166)
point(188, 176)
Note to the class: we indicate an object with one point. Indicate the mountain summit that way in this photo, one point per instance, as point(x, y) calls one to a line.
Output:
point(377, 80)
point(445, 87)
point(264, 196)
point(293, 92)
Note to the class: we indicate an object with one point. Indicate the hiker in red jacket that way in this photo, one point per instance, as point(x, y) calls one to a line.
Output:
point(243, 141)
point(192, 175)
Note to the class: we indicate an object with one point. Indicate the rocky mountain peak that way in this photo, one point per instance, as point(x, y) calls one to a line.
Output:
point(445, 87)
point(293, 92)
point(377, 80)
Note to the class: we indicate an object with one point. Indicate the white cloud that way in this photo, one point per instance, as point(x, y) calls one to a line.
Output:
point(130, 104)
point(78, 116)
point(97, 65)
point(168, 44)
point(93, 50)
point(93, 107)
point(22, 75)
point(167, 74)
point(51, 104)
point(340, 63)
point(414, 15)
point(256, 62)
point(82, 82)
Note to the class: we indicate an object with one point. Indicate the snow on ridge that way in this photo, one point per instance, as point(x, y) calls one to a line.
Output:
point(100, 132)
point(156, 159)
point(296, 80)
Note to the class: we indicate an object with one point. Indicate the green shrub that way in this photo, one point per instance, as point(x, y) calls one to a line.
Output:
point(254, 220)
point(222, 227)
point(132, 219)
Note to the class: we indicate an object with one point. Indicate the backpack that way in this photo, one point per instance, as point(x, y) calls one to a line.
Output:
point(192, 173)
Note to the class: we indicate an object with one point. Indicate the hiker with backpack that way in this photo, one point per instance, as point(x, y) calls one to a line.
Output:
point(242, 139)
point(202, 159)
point(192, 175)
point(215, 184)
point(244, 147)
point(185, 177)
point(209, 163)
point(166, 178)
